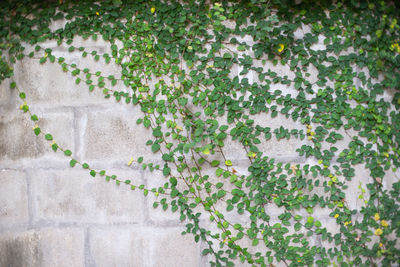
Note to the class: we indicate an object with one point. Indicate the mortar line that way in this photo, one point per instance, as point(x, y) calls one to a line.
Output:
point(76, 130)
point(66, 167)
point(30, 198)
point(44, 224)
point(146, 203)
point(88, 258)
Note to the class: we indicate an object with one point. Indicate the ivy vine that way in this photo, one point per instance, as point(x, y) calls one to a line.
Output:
point(202, 73)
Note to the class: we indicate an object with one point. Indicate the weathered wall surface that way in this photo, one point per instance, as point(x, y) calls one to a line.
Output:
point(53, 215)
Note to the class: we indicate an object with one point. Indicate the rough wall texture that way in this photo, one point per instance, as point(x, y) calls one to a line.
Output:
point(52, 215)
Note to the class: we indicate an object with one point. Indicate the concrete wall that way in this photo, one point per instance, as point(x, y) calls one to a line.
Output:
point(53, 215)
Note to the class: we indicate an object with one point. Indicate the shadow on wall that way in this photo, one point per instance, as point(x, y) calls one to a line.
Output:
point(21, 251)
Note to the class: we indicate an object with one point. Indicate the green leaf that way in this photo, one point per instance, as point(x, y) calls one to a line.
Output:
point(219, 172)
point(215, 163)
point(157, 133)
point(255, 242)
point(93, 173)
point(72, 163)
point(237, 226)
point(34, 117)
point(25, 108)
point(173, 181)
point(223, 128)
point(54, 147)
point(48, 137)
point(221, 193)
point(228, 163)
point(276, 226)
point(227, 56)
point(36, 130)
point(166, 171)
point(155, 147)
point(298, 217)
point(297, 226)
point(85, 166)
point(67, 152)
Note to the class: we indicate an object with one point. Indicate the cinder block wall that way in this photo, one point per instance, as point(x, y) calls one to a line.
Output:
point(53, 215)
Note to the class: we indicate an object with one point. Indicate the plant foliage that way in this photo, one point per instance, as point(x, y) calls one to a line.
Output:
point(203, 74)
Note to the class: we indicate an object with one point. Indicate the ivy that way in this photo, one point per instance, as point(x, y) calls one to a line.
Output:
point(203, 73)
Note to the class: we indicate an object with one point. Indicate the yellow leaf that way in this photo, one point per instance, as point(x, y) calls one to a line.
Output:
point(378, 232)
point(251, 154)
point(130, 161)
point(377, 217)
point(281, 47)
point(384, 223)
point(206, 151)
point(153, 9)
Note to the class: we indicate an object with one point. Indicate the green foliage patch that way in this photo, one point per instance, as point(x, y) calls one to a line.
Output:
point(202, 74)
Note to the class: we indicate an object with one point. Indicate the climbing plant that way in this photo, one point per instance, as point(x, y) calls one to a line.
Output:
point(203, 74)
